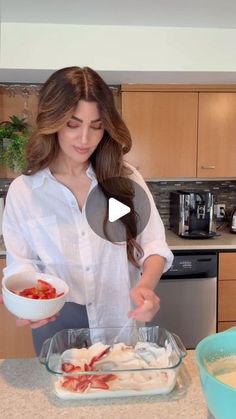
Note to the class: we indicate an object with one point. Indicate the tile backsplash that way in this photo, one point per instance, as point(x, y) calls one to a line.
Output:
point(4, 185)
point(224, 192)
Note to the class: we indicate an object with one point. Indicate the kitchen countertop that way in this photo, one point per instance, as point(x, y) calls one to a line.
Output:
point(25, 388)
point(226, 241)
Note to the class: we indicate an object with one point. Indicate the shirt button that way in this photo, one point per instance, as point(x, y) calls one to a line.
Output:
point(83, 233)
point(87, 268)
point(89, 304)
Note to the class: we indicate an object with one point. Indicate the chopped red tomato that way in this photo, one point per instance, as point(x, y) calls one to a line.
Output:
point(70, 384)
point(67, 367)
point(42, 291)
point(84, 383)
point(43, 285)
point(99, 356)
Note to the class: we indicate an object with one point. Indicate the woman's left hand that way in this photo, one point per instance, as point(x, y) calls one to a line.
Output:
point(146, 301)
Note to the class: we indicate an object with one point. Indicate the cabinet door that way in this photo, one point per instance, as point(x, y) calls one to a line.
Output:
point(226, 301)
point(225, 325)
point(227, 266)
point(16, 342)
point(227, 289)
point(216, 135)
point(163, 127)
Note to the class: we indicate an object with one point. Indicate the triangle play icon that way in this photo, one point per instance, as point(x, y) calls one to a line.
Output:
point(116, 209)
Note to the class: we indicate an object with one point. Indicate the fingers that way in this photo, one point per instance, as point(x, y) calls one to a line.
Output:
point(140, 294)
point(34, 325)
point(150, 304)
point(22, 322)
point(145, 312)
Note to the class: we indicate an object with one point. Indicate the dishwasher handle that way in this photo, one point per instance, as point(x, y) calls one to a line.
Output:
point(187, 276)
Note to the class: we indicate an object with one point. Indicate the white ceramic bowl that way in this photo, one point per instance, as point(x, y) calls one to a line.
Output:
point(27, 308)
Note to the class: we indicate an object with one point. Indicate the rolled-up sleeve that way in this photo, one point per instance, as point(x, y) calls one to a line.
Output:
point(152, 239)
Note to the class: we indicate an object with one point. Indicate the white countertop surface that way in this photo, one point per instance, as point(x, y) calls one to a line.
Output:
point(227, 241)
point(26, 392)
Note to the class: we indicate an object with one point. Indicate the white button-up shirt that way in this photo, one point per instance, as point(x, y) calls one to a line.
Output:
point(44, 230)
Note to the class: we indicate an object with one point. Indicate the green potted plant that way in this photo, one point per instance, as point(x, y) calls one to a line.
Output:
point(14, 135)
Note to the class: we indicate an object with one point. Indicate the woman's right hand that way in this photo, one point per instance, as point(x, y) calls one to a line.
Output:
point(33, 325)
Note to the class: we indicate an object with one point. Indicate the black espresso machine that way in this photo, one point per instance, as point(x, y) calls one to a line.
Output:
point(191, 214)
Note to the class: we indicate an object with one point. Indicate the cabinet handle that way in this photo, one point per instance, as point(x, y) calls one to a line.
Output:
point(208, 167)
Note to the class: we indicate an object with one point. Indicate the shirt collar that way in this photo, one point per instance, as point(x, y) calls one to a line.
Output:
point(90, 172)
point(39, 177)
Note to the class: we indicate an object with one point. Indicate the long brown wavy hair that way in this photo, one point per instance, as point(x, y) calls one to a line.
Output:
point(58, 99)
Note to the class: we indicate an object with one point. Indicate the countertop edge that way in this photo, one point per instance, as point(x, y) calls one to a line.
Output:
point(226, 241)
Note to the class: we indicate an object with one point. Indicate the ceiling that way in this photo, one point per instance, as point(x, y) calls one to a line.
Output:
point(155, 13)
point(177, 13)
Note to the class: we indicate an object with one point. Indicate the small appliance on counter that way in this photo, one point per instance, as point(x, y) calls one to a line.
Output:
point(233, 221)
point(191, 214)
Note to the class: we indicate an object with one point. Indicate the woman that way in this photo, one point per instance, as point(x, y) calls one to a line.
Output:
point(79, 142)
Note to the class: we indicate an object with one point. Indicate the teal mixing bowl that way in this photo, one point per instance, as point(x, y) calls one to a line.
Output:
point(212, 353)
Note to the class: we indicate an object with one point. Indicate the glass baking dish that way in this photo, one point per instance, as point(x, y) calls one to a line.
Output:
point(119, 380)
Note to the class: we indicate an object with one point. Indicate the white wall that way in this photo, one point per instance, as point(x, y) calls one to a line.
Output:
point(117, 48)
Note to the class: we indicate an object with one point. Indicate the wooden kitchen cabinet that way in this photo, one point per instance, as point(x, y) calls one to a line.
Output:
point(225, 325)
point(15, 342)
point(185, 133)
point(163, 127)
point(227, 291)
point(216, 135)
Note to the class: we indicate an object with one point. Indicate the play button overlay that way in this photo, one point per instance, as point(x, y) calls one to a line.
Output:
point(117, 209)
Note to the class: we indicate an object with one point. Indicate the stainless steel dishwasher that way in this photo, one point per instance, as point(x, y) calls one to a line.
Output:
point(188, 293)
